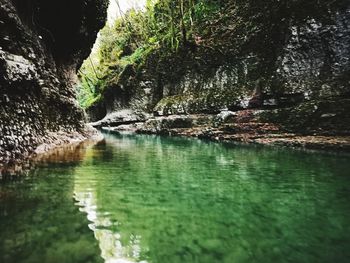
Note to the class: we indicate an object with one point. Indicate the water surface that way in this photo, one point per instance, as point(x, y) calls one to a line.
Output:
point(156, 199)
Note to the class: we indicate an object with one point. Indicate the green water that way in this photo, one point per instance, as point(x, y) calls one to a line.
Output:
point(163, 200)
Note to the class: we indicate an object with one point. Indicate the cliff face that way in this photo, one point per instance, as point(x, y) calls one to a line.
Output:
point(289, 58)
point(42, 43)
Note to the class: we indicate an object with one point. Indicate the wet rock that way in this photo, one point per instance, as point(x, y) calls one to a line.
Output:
point(328, 115)
point(224, 116)
point(285, 61)
point(270, 103)
point(121, 117)
point(39, 53)
point(134, 127)
point(155, 125)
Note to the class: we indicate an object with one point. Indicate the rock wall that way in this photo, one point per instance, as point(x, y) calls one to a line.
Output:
point(42, 43)
point(281, 56)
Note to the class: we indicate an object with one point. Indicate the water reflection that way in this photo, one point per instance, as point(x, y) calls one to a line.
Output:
point(39, 222)
point(154, 199)
point(71, 154)
point(110, 242)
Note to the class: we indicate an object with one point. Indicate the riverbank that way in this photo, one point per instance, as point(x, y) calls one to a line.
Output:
point(242, 126)
point(52, 145)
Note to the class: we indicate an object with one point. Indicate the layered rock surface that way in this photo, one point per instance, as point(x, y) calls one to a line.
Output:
point(42, 43)
point(290, 59)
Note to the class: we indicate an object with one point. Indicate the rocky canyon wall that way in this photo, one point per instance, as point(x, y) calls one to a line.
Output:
point(42, 44)
point(289, 58)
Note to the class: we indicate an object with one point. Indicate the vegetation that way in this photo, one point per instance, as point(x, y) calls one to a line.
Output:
point(163, 27)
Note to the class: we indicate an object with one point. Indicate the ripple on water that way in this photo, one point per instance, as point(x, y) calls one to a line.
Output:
point(156, 199)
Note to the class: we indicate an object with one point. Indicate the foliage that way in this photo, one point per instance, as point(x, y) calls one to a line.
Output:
point(163, 27)
point(218, 28)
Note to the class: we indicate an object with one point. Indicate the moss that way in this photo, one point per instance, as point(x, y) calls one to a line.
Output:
point(207, 101)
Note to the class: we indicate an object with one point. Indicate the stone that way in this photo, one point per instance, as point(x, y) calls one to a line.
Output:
point(224, 116)
point(122, 117)
point(311, 63)
point(36, 86)
point(328, 115)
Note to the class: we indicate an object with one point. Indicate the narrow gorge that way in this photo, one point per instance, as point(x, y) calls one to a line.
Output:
point(272, 72)
point(160, 131)
point(236, 71)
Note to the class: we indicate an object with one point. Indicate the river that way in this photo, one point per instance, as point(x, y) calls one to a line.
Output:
point(140, 198)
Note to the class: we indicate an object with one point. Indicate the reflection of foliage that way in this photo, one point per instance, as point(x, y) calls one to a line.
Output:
point(220, 195)
point(40, 223)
